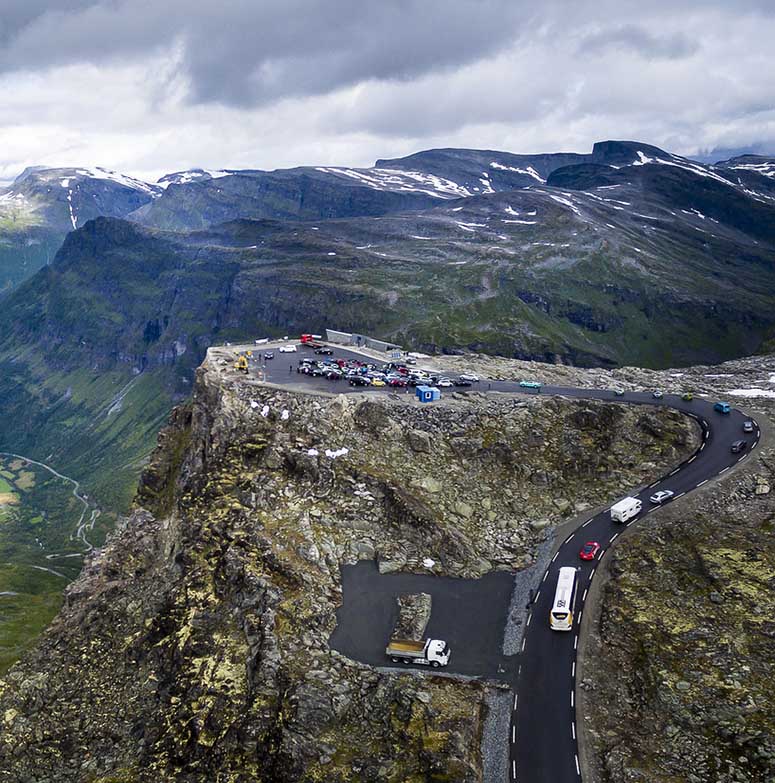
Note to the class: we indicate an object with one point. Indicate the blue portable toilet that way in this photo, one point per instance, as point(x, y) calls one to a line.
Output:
point(428, 393)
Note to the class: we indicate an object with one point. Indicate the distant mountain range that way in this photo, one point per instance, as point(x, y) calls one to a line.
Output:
point(626, 255)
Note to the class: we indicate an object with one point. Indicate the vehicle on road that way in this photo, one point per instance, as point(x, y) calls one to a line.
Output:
point(469, 376)
point(722, 407)
point(358, 380)
point(409, 360)
point(377, 382)
point(269, 355)
point(530, 384)
point(658, 498)
point(657, 394)
point(462, 382)
point(324, 350)
point(561, 615)
point(589, 550)
point(431, 652)
point(747, 426)
point(738, 446)
point(618, 392)
point(287, 349)
point(445, 383)
point(626, 509)
point(687, 396)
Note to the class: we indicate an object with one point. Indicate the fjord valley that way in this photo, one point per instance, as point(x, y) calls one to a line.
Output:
point(628, 268)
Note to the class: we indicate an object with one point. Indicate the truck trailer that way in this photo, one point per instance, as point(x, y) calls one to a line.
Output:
point(431, 652)
point(626, 509)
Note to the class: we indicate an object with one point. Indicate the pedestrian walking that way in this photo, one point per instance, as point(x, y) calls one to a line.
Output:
point(290, 368)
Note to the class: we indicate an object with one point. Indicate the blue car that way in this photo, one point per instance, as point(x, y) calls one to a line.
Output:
point(722, 407)
point(530, 384)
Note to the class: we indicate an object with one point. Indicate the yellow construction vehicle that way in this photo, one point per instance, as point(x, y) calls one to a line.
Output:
point(241, 364)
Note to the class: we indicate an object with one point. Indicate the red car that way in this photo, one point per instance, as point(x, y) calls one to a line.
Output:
point(589, 550)
point(400, 382)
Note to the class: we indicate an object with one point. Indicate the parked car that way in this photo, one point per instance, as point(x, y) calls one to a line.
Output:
point(530, 384)
point(469, 376)
point(445, 383)
point(462, 382)
point(409, 360)
point(377, 382)
point(287, 349)
point(589, 550)
point(738, 446)
point(269, 355)
point(658, 498)
point(747, 426)
point(397, 382)
point(657, 394)
point(358, 380)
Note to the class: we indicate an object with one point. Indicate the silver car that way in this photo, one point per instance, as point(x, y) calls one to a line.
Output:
point(658, 498)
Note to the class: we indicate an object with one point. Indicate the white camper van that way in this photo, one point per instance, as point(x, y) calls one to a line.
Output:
point(626, 509)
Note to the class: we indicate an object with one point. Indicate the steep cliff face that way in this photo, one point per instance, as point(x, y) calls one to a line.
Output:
point(194, 647)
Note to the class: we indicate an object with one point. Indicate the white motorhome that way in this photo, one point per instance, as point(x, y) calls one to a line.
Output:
point(626, 509)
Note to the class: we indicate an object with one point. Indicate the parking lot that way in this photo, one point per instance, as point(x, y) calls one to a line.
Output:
point(340, 367)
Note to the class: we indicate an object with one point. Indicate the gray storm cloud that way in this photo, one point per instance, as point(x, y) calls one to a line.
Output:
point(151, 86)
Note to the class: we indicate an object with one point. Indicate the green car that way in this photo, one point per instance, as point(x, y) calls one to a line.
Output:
point(687, 396)
point(530, 384)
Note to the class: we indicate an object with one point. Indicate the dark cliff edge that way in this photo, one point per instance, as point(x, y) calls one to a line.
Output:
point(194, 646)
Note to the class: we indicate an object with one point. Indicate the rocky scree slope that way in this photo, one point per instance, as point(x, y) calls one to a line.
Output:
point(680, 687)
point(194, 646)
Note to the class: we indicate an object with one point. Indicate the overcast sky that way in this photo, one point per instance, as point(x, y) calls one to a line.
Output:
point(153, 86)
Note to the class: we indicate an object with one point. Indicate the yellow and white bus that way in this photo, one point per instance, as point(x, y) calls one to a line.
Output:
point(561, 616)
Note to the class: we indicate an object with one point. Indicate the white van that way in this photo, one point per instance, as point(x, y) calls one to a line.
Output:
point(626, 509)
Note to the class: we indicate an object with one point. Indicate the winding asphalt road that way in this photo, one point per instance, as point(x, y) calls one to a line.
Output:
point(543, 732)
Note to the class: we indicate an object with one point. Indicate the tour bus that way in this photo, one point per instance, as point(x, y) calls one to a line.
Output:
point(561, 616)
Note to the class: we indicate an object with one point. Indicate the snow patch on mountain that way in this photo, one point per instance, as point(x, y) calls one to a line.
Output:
point(120, 179)
point(529, 171)
point(400, 180)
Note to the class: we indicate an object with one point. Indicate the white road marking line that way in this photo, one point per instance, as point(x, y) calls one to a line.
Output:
point(613, 538)
point(578, 770)
point(529, 618)
point(705, 481)
point(555, 556)
point(742, 458)
point(519, 670)
point(571, 698)
point(592, 573)
point(586, 523)
point(580, 613)
point(514, 769)
point(702, 446)
point(573, 669)
point(523, 644)
point(600, 553)
point(705, 434)
point(691, 459)
point(568, 539)
point(546, 573)
point(651, 486)
point(515, 701)
point(679, 496)
point(584, 597)
point(576, 642)
point(573, 729)
point(513, 733)
point(724, 470)
point(674, 472)
point(536, 598)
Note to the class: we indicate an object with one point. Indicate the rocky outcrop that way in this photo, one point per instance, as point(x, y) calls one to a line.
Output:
point(194, 647)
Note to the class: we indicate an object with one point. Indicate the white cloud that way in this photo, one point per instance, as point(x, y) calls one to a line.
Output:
point(127, 89)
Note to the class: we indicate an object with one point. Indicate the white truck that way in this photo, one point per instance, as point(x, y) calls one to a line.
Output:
point(431, 652)
point(626, 509)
